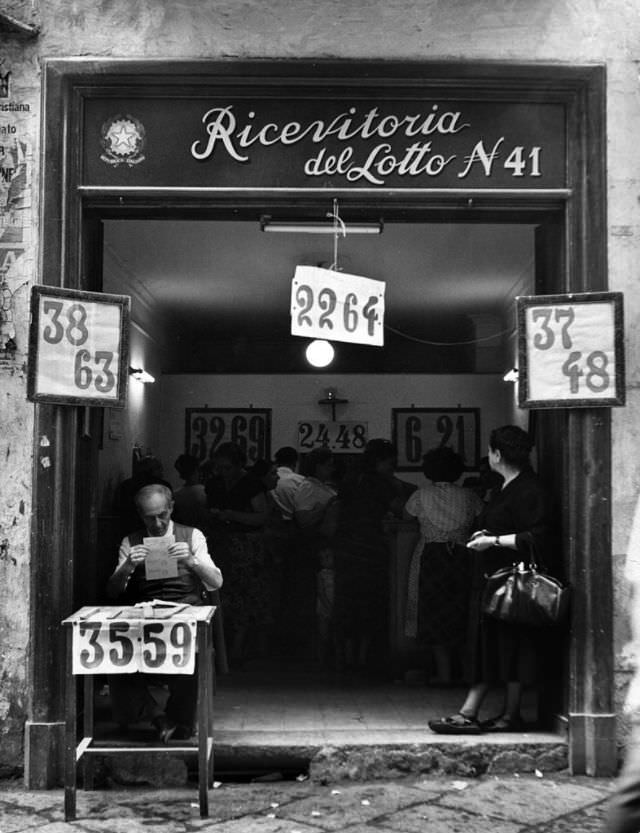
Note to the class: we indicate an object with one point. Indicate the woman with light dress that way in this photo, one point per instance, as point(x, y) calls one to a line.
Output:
point(439, 575)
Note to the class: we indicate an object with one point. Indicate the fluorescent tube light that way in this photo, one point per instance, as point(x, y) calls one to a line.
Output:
point(318, 227)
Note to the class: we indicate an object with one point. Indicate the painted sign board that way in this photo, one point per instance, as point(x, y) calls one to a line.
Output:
point(570, 350)
point(207, 428)
point(337, 306)
point(320, 138)
point(418, 430)
point(79, 347)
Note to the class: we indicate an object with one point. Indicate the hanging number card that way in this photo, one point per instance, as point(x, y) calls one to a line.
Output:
point(337, 307)
point(571, 351)
point(418, 430)
point(79, 347)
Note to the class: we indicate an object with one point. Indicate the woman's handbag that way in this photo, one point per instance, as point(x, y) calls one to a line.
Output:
point(522, 595)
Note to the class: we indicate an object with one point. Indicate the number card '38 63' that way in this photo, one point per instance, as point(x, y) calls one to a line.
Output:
point(79, 347)
point(571, 350)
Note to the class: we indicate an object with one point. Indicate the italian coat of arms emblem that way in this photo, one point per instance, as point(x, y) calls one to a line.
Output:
point(123, 140)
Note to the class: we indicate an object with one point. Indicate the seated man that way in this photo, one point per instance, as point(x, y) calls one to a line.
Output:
point(196, 573)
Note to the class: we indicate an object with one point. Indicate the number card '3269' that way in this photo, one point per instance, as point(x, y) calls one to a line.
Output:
point(571, 350)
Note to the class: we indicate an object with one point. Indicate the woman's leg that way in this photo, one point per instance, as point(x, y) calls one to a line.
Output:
point(512, 697)
point(473, 700)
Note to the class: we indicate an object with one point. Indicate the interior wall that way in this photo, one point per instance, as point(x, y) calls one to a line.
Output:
point(294, 398)
point(134, 425)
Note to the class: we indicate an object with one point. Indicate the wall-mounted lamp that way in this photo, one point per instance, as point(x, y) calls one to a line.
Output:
point(511, 375)
point(141, 375)
point(318, 226)
point(320, 353)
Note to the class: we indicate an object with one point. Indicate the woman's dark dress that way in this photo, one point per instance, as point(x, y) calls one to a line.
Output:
point(239, 552)
point(362, 558)
point(501, 652)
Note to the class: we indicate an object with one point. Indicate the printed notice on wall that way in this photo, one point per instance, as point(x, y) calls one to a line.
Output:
point(571, 350)
point(78, 347)
point(337, 307)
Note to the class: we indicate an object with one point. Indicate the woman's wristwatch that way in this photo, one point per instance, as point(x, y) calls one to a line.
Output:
point(496, 541)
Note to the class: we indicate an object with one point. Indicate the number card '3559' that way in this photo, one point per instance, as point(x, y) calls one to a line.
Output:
point(79, 350)
point(571, 351)
point(337, 307)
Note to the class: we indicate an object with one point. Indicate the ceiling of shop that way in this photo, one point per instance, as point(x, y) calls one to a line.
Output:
point(222, 289)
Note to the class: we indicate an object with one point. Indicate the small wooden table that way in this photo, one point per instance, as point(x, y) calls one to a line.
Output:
point(156, 638)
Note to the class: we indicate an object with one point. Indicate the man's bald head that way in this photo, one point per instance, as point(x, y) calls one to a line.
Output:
point(155, 505)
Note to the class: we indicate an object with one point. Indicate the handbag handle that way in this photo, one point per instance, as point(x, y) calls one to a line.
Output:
point(530, 543)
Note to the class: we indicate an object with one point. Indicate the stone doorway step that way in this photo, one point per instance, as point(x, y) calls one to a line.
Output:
point(337, 728)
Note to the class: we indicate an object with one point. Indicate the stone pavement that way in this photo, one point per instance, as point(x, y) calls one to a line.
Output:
point(553, 803)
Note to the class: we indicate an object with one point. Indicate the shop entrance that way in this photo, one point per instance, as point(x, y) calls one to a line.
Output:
point(211, 325)
point(137, 175)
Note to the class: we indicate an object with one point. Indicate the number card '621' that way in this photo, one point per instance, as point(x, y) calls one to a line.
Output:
point(79, 347)
point(418, 430)
point(571, 350)
point(337, 307)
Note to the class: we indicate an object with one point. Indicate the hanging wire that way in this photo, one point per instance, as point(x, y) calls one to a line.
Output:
point(338, 229)
point(510, 331)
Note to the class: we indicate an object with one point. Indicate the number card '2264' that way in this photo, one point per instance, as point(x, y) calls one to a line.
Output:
point(337, 307)
point(571, 350)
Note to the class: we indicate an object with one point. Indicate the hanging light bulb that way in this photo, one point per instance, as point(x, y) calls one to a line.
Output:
point(320, 353)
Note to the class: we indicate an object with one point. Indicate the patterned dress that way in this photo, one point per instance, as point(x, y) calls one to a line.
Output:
point(240, 553)
point(439, 573)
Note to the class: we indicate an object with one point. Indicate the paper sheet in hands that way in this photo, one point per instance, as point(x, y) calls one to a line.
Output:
point(159, 563)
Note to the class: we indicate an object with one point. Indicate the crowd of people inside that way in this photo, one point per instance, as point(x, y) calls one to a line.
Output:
point(305, 558)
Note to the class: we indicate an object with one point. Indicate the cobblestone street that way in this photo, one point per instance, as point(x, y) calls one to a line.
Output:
point(511, 804)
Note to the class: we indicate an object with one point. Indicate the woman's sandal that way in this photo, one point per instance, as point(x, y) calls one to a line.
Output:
point(455, 724)
point(502, 723)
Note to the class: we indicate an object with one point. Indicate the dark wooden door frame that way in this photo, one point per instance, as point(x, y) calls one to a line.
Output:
point(65, 261)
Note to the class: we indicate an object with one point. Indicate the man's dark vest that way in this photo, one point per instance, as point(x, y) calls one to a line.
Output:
point(185, 587)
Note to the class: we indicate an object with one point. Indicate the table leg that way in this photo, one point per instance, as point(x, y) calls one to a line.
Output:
point(203, 717)
point(70, 734)
point(211, 666)
point(88, 723)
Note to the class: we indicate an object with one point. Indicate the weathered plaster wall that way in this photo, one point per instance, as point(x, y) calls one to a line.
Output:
point(18, 148)
point(583, 31)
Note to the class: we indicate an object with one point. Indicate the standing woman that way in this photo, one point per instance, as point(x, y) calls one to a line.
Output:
point(238, 509)
point(515, 520)
point(439, 575)
point(362, 556)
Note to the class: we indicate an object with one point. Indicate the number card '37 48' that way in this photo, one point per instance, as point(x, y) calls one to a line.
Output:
point(571, 351)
